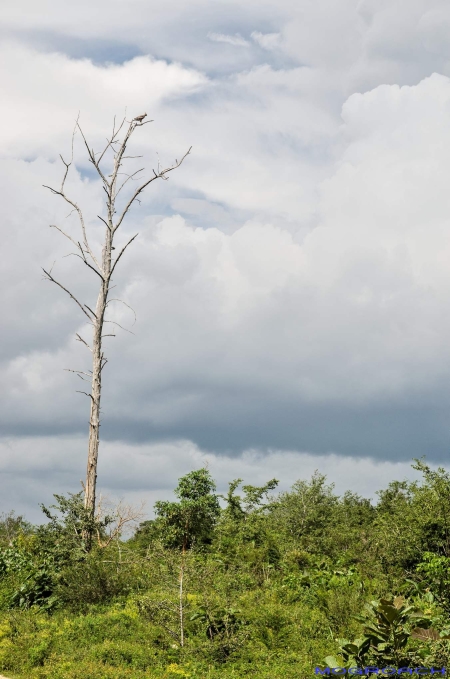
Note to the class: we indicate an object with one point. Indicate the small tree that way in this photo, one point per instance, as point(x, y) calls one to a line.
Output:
point(243, 533)
point(118, 201)
point(194, 516)
point(190, 520)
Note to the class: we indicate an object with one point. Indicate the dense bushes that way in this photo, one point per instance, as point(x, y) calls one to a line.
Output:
point(256, 585)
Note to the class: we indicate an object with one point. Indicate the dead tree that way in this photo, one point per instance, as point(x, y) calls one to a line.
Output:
point(103, 265)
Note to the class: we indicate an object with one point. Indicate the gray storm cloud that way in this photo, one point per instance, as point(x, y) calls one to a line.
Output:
point(291, 281)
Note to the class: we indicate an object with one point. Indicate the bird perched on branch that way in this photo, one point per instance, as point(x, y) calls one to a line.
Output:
point(140, 118)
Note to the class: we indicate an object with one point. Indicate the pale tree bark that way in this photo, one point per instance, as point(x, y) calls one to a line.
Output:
point(105, 264)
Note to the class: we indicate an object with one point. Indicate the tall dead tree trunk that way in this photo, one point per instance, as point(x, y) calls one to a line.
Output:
point(104, 265)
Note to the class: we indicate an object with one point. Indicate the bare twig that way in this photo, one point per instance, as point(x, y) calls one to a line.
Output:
point(50, 278)
point(130, 176)
point(80, 339)
point(124, 514)
point(116, 299)
point(78, 372)
point(53, 226)
point(119, 326)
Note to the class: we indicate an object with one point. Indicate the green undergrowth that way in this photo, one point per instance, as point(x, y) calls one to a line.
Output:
point(246, 585)
point(118, 642)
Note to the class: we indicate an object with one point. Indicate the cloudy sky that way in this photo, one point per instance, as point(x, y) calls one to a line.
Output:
point(291, 281)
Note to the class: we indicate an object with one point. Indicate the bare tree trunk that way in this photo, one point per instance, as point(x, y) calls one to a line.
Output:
point(183, 557)
point(181, 602)
point(104, 268)
point(96, 392)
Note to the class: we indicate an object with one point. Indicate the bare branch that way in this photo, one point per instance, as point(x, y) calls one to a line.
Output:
point(109, 144)
point(74, 205)
point(50, 278)
point(160, 175)
point(121, 253)
point(53, 226)
point(104, 222)
point(89, 309)
point(78, 372)
point(120, 326)
point(124, 514)
point(78, 210)
point(80, 339)
point(86, 394)
point(130, 176)
point(83, 259)
point(113, 139)
point(92, 156)
point(116, 299)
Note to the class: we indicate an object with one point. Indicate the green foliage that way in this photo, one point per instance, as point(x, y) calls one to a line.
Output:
point(243, 532)
point(36, 590)
point(388, 627)
point(30, 583)
point(11, 527)
point(192, 519)
point(435, 571)
point(97, 579)
point(239, 508)
point(223, 627)
point(64, 537)
point(14, 560)
point(306, 511)
point(413, 518)
point(271, 585)
point(217, 622)
point(50, 566)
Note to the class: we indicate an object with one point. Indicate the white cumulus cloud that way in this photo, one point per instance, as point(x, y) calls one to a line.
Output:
point(235, 40)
